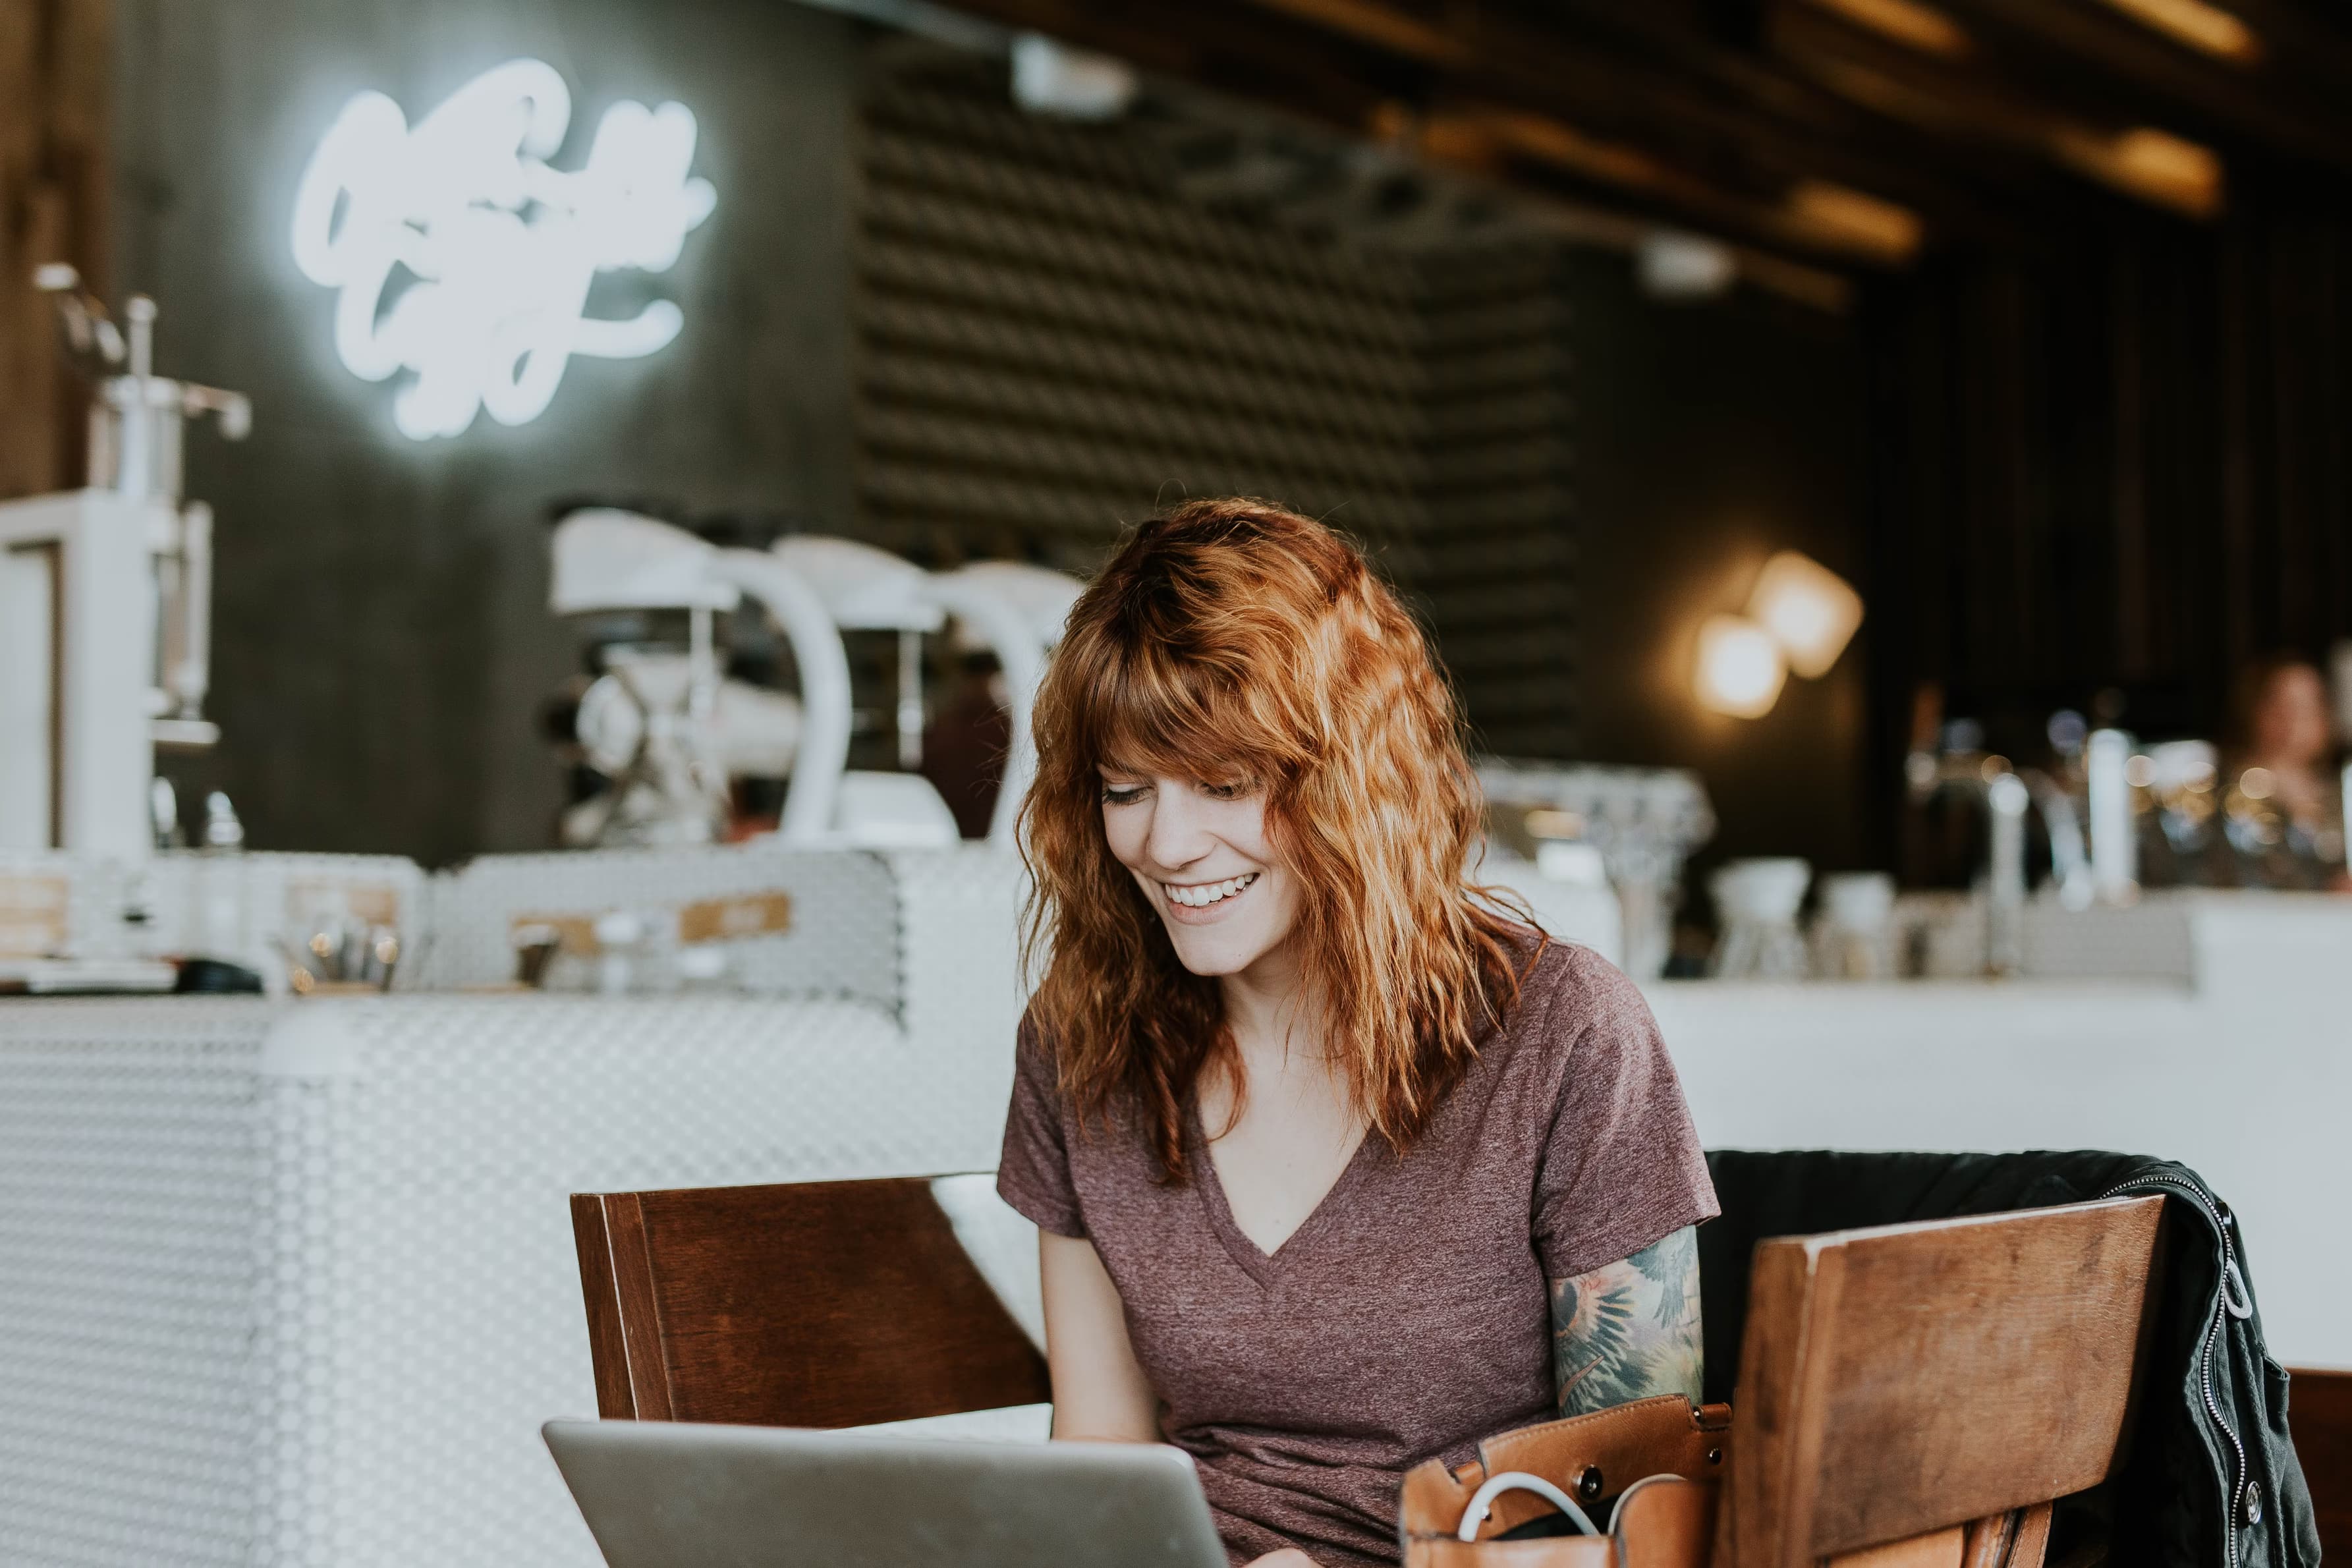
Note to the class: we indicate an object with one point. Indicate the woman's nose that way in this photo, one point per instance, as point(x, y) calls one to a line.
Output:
point(1179, 835)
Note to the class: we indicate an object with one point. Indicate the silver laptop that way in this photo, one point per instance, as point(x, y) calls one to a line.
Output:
point(662, 1494)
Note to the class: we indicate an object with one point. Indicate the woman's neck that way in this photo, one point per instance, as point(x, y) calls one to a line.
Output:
point(1266, 1004)
point(1281, 1067)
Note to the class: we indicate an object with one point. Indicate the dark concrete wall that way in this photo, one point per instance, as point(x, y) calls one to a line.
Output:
point(1708, 436)
point(383, 641)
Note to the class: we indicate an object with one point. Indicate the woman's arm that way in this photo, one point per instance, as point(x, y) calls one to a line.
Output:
point(1099, 1392)
point(1630, 1330)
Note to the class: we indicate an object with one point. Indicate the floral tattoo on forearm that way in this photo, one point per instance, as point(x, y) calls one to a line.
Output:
point(1630, 1330)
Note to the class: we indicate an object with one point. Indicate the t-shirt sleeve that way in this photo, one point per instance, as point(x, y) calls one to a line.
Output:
point(1033, 1174)
point(1622, 1166)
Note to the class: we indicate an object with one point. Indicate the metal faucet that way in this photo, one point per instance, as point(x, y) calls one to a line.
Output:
point(2006, 794)
point(136, 420)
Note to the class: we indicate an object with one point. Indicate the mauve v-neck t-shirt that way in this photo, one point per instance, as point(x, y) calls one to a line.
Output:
point(1408, 1316)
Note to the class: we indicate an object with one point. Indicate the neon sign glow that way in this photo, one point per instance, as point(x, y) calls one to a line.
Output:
point(499, 248)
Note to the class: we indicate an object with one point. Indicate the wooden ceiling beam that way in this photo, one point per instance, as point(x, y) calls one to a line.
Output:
point(1983, 112)
point(1748, 130)
point(2298, 44)
point(1963, 107)
point(1228, 49)
point(1805, 130)
point(1823, 224)
point(1308, 54)
point(1261, 51)
point(1590, 78)
point(2127, 68)
point(1439, 44)
point(1795, 127)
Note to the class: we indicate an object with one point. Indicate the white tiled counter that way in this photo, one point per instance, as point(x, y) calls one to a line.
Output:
point(2244, 1073)
point(292, 1282)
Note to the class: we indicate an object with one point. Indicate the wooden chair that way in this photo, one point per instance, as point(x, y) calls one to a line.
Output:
point(2322, 1443)
point(812, 1304)
point(1916, 1395)
point(1910, 1396)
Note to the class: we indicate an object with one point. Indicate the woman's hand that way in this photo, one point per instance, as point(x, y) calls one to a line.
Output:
point(1288, 1557)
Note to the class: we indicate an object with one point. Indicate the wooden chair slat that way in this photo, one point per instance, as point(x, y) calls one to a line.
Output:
point(809, 1304)
point(608, 1349)
point(1901, 1381)
point(2322, 1403)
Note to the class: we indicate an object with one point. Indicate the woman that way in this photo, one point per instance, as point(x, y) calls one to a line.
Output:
point(1337, 1167)
point(2283, 816)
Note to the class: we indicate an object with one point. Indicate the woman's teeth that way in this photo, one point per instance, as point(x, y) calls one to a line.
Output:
point(1203, 894)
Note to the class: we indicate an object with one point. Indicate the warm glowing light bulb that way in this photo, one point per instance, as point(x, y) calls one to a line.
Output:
point(1811, 611)
point(1740, 666)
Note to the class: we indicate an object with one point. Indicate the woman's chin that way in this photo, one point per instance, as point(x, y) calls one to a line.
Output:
point(1212, 950)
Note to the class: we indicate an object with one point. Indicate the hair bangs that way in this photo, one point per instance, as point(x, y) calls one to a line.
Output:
point(1154, 712)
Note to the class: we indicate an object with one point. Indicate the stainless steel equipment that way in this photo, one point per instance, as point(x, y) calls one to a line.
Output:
point(2008, 795)
point(107, 592)
point(1645, 822)
point(650, 720)
point(665, 731)
point(138, 426)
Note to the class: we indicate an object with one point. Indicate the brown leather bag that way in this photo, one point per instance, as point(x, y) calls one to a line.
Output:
point(1661, 1460)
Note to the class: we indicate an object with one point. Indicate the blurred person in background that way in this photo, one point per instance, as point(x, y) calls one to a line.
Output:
point(965, 744)
point(2282, 816)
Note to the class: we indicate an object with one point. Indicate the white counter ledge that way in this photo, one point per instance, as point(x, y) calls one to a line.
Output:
point(2244, 1074)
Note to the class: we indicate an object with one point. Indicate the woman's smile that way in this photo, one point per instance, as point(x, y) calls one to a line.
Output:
point(1199, 903)
point(1201, 852)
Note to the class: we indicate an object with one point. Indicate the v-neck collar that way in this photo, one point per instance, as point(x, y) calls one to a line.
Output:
point(1254, 1261)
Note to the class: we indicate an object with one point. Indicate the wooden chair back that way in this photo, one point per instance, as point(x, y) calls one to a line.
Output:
point(809, 1304)
point(1913, 1394)
point(2323, 1445)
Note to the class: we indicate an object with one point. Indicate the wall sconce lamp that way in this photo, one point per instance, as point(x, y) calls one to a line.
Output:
point(1811, 611)
point(1800, 617)
point(1740, 670)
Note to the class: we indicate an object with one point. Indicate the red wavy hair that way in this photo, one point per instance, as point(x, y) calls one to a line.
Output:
point(1235, 641)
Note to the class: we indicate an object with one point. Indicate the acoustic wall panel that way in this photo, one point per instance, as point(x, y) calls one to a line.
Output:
point(1056, 334)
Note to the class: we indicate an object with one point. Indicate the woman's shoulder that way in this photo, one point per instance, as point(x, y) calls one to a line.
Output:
point(1583, 1051)
point(1570, 992)
point(1036, 1066)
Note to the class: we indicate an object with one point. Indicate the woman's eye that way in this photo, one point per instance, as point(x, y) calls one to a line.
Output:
point(1121, 794)
point(1224, 791)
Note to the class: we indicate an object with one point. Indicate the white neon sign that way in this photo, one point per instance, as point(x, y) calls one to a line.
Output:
point(501, 248)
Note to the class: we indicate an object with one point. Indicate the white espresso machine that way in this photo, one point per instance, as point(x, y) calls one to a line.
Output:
point(105, 601)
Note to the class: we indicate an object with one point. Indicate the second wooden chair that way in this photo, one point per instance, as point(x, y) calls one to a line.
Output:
point(806, 1304)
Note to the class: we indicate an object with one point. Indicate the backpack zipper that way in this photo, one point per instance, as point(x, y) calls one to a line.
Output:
point(2211, 1208)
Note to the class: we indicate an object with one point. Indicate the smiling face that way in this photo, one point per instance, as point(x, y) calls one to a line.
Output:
point(1201, 854)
